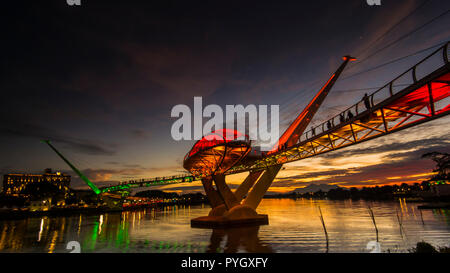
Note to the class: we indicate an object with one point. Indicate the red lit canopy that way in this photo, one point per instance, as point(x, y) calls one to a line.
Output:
point(217, 137)
point(217, 152)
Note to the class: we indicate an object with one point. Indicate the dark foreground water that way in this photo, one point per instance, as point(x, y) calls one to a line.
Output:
point(294, 226)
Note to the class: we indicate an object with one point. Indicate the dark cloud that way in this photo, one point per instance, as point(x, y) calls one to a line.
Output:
point(113, 162)
point(132, 166)
point(369, 175)
point(333, 173)
point(423, 144)
point(138, 133)
point(18, 129)
point(404, 159)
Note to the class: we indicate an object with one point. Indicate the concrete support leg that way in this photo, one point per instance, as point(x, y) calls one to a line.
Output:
point(245, 186)
point(225, 192)
point(255, 196)
point(213, 196)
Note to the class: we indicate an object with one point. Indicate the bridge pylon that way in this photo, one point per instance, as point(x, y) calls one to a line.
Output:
point(239, 207)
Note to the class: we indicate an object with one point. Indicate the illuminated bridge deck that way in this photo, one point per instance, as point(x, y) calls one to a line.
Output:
point(156, 181)
point(422, 97)
point(419, 95)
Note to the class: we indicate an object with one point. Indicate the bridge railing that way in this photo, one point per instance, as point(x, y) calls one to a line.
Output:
point(154, 179)
point(432, 62)
point(149, 181)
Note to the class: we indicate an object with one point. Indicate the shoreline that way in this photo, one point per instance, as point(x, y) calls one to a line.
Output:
point(7, 215)
point(18, 214)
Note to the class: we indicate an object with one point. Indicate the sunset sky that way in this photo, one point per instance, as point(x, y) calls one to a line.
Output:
point(100, 80)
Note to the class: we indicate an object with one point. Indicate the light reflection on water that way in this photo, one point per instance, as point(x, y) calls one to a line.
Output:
point(294, 226)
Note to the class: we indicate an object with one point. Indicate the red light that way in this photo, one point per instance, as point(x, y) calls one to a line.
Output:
point(345, 58)
point(215, 138)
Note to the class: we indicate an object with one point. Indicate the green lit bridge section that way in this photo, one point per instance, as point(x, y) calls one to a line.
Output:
point(157, 181)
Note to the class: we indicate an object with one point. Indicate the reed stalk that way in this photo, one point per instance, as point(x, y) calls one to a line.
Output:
point(400, 223)
point(324, 227)
point(421, 217)
point(373, 219)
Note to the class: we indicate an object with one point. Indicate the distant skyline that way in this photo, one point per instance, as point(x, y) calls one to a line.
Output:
point(100, 81)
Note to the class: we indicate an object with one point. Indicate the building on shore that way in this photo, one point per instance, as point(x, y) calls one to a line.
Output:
point(15, 184)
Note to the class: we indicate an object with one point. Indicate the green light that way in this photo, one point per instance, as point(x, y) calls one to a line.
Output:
point(94, 235)
point(82, 176)
point(187, 179)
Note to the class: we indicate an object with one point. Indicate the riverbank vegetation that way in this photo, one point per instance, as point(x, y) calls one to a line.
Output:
point(387, 192)
point(424, 247)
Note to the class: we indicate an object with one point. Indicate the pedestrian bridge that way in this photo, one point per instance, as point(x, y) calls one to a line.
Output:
point(418, 95)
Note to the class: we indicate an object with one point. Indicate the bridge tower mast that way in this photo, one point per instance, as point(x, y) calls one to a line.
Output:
point(226, 204)
point(80, 174)
point(292, 135)
point(296, 129)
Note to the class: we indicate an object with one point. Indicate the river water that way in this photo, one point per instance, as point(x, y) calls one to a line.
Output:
point(294, 226)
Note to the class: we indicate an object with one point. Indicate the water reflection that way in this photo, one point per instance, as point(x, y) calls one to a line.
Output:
point(294, 226)
point(237, 238)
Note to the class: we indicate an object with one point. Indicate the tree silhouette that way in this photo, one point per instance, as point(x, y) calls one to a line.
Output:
point(442, 165)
